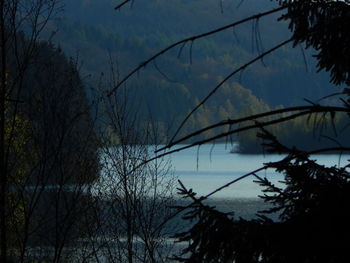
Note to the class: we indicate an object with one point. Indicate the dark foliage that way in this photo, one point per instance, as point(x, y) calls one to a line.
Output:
point(312, 226)
point(61, 128)
point(50, 173)
point(312, 208)
point(171, 86)
point(323, 25)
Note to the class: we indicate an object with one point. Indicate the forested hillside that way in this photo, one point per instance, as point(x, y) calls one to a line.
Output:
point(167, 89)
point(51, 149)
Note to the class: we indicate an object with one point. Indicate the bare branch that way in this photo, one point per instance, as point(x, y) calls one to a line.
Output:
point(122, 4)
point(190, 39)
point(306, 109)
point(225, 80)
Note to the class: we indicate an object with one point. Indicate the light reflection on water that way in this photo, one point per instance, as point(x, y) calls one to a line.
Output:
point(206, 168)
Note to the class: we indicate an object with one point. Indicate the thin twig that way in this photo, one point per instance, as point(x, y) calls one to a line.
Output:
point(192, 38)
point(306, 109)
point(225, 80)
point(121, 4)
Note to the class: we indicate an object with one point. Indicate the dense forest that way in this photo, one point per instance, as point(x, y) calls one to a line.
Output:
point(84, 136)
point(107, 43)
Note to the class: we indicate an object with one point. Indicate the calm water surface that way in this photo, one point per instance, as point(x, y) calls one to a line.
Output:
point(208, 167)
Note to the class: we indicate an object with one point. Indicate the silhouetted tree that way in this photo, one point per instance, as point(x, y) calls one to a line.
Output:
point(136, 194)
point(15, 16)
point(48, 145)
point(312, 208)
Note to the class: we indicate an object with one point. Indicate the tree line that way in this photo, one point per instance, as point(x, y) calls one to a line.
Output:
point(65, 195)
point(172, 84)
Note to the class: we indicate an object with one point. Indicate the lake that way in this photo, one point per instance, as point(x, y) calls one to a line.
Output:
point(203, 169)
point(210, 166)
